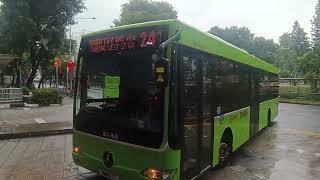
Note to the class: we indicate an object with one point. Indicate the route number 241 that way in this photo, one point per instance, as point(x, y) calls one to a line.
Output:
point(150, 39)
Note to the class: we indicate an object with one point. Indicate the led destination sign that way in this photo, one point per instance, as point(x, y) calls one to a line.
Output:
point(132, 39)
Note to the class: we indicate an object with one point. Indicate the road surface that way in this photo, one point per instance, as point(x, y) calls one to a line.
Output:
point(290, 149)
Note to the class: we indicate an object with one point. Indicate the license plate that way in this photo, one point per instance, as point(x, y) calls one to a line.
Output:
point(108, 175)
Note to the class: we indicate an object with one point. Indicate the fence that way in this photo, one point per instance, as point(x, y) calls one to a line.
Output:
point(8, 95)
point(299, 88)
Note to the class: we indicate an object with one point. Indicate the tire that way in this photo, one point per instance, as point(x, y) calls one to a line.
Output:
point(269, 118)
point(225, 151)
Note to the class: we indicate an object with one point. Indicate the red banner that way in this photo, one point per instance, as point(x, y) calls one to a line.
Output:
point(70, 65)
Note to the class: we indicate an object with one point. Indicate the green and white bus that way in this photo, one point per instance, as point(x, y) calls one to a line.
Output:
point(163, 100)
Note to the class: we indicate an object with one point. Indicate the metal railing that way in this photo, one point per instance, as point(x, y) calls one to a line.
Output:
point(299, 88)
point(8, 95)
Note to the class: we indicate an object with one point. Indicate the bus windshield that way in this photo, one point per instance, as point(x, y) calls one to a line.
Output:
point(119, 98)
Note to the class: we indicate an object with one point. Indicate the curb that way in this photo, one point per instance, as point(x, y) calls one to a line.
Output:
point(35, 134)
point(4, 106)
point(17, 105)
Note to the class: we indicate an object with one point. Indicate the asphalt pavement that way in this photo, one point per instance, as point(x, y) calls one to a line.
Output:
point(290, 149)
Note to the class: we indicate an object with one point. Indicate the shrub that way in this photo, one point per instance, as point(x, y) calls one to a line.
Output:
point(25, 91)
point(45, 97)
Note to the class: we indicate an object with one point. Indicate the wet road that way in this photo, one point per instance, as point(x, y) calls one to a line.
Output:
point(299, 117)
point(290, 149)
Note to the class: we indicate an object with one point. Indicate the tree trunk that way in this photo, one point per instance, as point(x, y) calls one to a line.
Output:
point(43, 77)
point(13, 80)
point(34, 66)
point(31, 77)
point(18, 77)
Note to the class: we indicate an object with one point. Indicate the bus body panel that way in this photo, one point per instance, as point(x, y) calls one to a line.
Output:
point(239, 123)
point(211, 44)
point(129, 160)
point(263, 113)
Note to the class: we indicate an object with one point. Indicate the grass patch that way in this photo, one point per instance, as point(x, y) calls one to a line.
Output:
point(300, 94)
point(300, 90)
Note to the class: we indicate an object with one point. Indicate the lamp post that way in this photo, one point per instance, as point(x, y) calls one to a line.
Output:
point(70, 45)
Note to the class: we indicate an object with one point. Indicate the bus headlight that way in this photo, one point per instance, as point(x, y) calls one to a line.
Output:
point(156, 174)
point(76, 149)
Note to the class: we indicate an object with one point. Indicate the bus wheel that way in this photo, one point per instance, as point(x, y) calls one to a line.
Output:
point(269, 118)
point(225, 151)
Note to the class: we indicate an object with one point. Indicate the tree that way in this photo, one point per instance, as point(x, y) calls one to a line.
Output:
point(300, 41)
point(315, 31)
point(243, 38)
point(286, 57)
point(264, 49)
point(285, 41)
point(293, 45)
point(34, 27)
point(287, 61)
point(136, 11)
point(310, 66)
point(238, 36)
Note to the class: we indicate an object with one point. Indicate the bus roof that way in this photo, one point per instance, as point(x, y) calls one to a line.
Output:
point(204, 41)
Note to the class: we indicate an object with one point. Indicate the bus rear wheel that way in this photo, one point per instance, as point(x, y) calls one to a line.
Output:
point(269, 118)
point(225, 151)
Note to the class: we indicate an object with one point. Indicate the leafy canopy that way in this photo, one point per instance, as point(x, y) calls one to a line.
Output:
point(136, 11)
point(300, 41)
point(243, 38)
point(315, 31)
point(35, 30)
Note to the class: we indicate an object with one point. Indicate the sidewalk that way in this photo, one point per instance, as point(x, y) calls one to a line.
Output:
point(22, 121)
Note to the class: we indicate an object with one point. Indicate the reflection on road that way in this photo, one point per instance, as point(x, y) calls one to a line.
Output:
point(290, 149)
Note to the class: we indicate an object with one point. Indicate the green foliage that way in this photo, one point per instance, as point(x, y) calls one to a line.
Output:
point(136, 11)
point(315, 31)
point(23, 24)
point(310, 66)
point(286, 41)
point(264, 49)
point(243, 38)
point(1, 79)
point(239, 36)
point(45, 97)
point(292, 46)
point(300, 41)
point(25, 91)
point(287, 61)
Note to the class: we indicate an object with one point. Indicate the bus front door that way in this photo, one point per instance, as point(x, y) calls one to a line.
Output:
point(196, 152)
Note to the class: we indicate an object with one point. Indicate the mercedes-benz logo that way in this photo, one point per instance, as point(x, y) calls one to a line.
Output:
point(108, 159)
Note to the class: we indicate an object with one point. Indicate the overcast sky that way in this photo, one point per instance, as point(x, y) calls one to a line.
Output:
point(267, 18)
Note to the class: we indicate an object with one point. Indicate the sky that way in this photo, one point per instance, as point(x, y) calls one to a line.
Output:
point(267, 18)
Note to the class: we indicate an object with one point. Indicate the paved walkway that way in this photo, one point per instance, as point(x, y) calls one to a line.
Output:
point(16, 120)
point(39, 158)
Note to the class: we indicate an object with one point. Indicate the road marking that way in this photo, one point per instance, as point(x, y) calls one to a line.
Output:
point(39, 120)
point(317, 154)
